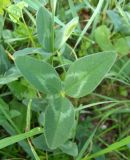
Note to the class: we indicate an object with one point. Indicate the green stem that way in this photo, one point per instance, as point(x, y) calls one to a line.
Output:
point(28, 118)
point(33, 150)
point(93, 104)
point(28, 125)
point(29, 34)
point(61, 61)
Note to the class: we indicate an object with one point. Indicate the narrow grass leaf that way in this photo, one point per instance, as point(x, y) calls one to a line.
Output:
point(64, 33)
point(44, 28)
point(53, 5)
point(13, 139)
point(85, 146)
point(110, 148)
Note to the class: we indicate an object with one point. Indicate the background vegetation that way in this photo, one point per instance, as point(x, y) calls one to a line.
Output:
point(102, 117)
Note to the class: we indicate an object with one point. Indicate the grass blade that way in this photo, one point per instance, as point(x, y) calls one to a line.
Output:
point(97, 10)
point(13, 139)
point(110, 148)
point(81, 153)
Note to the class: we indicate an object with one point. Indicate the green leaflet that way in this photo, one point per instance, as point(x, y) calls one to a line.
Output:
point(70, 148)
point(28, 51)
point(122, 45)
point(85, 74)
point(36, 4)
point(3, 5)
point(116, 19)
point(40, 143)
point(59, 121)
point(102, 35)
point(9, 76)
point(44, 28)
point(119, 23)
point(40, 74)
point(15, 11)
